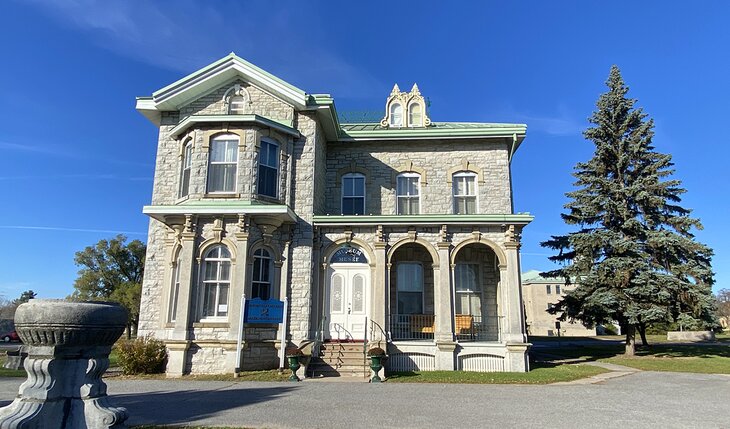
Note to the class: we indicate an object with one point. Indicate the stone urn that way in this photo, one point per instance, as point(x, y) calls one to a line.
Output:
point(68, 352)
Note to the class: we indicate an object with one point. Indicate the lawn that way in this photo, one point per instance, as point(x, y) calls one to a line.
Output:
point(540, 374)
point(708, 358)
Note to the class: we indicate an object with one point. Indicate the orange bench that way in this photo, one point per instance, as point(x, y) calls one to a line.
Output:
point(422, 323)
point(464, 324)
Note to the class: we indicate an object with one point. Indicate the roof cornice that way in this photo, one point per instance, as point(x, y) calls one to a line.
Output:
point(233, 119)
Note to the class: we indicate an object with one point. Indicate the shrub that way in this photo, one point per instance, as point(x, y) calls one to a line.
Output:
point(142, 356)
point(293, 351)
point(376, 351)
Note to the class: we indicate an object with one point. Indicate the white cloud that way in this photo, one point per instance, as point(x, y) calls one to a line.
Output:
point(186, 35)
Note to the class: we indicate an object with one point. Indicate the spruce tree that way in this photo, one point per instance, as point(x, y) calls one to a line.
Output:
point(634, 257)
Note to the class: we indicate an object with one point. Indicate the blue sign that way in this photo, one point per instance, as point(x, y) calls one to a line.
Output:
point(349, 255)
point(264, 311)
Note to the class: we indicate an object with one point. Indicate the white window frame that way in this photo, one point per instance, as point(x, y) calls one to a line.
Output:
point(186, 168)
point(258, 256)
point(237, 104)
point(267, 165)
point(217, 282)
point(398, 266)
point(548, 289)
point(463, 175)
point(407, 197)
point(478, 291)
point(392, 115)
point(411, 123)
point(342, 193)
point(223, 138)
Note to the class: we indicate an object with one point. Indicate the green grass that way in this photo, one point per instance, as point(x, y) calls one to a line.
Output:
point(709, 359)
point(4, 372)
point(542, 374)
point(267, 375)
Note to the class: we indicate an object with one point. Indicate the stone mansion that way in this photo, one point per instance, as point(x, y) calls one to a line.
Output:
point(400, 232)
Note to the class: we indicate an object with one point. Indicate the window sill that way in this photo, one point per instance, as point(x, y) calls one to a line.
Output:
point(211, 324)
point(268, 199)
point(222, 195)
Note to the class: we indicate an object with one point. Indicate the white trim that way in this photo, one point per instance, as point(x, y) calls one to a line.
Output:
point(342, 192)
point(213, 139)
point(408, 174)
point(459, 174)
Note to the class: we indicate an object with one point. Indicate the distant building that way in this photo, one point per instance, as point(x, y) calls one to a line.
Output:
point(539, 295)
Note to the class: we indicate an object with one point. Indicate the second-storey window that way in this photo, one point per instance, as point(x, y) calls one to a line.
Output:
point(262, 267)
point(353, 194)
point(186, 167)
point(216, 281)
point(408, 193)
point(268, 169)
point(465, 193)
point(222, 164)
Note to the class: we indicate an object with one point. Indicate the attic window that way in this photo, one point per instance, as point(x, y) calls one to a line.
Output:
point(236, 100)
point(415, 115)
point(237, 105)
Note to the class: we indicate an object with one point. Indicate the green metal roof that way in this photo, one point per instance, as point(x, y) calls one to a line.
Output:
point(435, 130)
point(280, 125)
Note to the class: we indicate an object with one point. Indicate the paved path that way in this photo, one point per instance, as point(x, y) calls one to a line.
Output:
point(641, 400)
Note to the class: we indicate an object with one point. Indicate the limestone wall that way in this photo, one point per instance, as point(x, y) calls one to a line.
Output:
point(382, 161)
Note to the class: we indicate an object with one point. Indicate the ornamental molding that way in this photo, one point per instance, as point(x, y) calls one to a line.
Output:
point(406, 100)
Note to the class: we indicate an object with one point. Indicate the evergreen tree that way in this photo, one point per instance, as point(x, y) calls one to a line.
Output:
point(634, 257)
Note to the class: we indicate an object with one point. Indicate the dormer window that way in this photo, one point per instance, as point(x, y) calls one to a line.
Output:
point(415, 115)
point(396, 115)
point(405, 109)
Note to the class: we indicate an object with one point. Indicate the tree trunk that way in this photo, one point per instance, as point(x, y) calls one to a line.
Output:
point(642, 332)
point(630, 340)
point(128, 330)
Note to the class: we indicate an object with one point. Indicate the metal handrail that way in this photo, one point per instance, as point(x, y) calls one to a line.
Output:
point(383, 336)
point(318, 338)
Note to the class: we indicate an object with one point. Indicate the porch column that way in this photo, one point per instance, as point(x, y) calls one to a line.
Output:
point(444, 330)
point(185, 313)
point(379, 299)
point(514, 333)
point(238, 288)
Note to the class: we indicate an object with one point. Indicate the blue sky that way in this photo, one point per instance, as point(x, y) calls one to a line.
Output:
point(76, 159)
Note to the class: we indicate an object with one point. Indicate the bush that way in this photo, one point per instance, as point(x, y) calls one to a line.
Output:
point(142, 356)
point(376, 351)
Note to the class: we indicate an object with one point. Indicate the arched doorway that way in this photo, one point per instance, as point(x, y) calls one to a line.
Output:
point(476, 279)
point(347, 306)
point(412, 293)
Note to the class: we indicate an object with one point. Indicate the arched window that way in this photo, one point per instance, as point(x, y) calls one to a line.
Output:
point(353, 194)
point(396, 115)
point(465, 192)
point(216, 280)
point(415, 115)
point(408, 193)
point(174, 292)
point(185, 169)
point(268, 171)
point(236, 105)
point(222, 164)
point(262, 275)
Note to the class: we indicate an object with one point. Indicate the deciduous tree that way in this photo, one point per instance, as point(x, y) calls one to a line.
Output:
point(112, 270)
point(634, 255)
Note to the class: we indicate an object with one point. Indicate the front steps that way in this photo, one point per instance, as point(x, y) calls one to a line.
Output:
point(339, 359)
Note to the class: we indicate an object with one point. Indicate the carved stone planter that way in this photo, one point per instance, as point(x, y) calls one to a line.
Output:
point(68, 351)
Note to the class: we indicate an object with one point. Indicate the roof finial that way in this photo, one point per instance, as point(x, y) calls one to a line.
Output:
point(395, 90)
point(415, 90)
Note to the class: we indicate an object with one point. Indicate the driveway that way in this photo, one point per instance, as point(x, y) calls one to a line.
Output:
point(639, 400)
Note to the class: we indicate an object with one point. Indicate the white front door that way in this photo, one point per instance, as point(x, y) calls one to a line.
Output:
point(348, 301)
